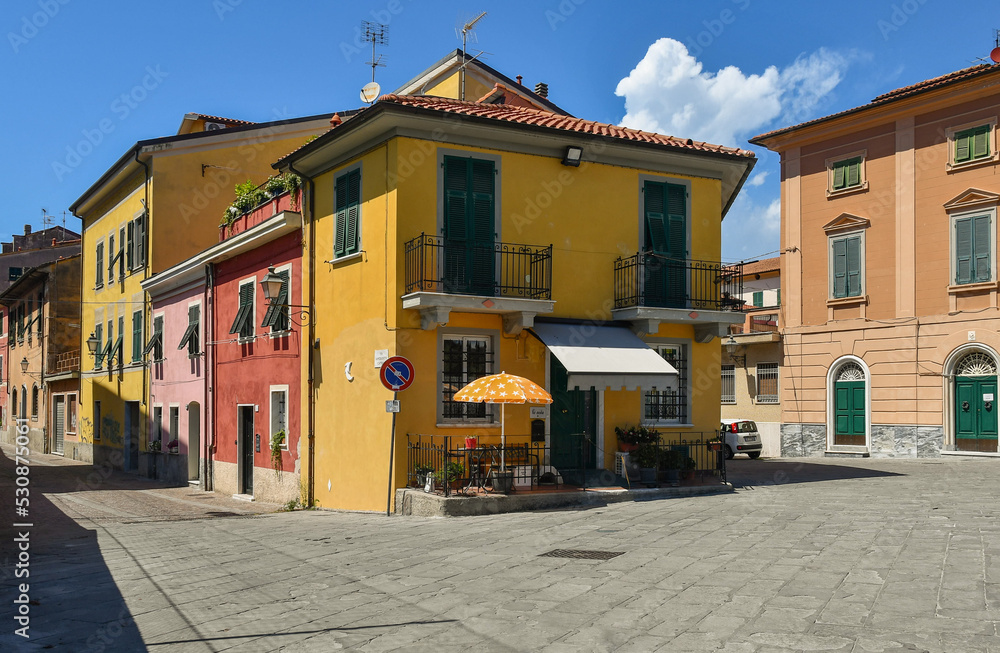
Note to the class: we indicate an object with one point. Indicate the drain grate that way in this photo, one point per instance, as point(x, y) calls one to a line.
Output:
point(581, 554)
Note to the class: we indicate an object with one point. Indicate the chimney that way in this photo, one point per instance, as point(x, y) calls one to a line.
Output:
point(519, 81)
point(27, 229)
point(542, 89)
point(336, 120)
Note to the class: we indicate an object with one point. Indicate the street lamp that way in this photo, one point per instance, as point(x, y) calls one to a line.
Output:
point(24, 365)
point(735, 351)
point(271, 285)
point(92, 344)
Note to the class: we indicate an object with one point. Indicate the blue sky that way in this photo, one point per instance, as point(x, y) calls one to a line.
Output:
point(85, 82)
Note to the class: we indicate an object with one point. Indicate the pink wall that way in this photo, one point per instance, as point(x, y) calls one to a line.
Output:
point(178, 379)
point(244, 372)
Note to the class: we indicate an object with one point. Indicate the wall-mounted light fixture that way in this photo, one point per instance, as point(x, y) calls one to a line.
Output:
point(572, 156)
point(24, 365)
point(271, 284)
point(736, 351)
point(92, 344)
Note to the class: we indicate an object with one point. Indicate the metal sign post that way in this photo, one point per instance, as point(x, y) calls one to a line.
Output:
point(396, 374)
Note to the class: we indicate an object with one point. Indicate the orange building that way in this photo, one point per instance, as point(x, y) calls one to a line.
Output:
point(889, 279)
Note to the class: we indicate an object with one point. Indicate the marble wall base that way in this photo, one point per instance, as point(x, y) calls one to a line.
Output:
point(906, 441)
point(799, 440)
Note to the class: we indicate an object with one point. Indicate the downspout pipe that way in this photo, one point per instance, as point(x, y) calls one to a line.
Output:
point(145, 299)
point(308, 194)
point(208, 331)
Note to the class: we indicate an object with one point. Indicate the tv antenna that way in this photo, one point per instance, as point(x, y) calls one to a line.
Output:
point(995, 53)
point(376, 34)
point(466, 31)
point(47, 220)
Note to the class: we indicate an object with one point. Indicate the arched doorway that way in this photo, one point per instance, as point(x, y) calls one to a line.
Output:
point(194, 441)
point(847, 401)
point(975, 402)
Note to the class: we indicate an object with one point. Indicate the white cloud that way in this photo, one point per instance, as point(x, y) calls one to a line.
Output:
point(668, 92)
point(751, 230)
point(758, 179)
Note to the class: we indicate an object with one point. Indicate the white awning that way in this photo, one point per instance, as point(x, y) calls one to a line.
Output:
point(605, 357)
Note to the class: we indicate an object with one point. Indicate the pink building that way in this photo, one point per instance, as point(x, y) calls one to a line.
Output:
point(226, 375)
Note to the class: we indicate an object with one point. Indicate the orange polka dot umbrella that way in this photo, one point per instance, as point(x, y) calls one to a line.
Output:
point(503, 389)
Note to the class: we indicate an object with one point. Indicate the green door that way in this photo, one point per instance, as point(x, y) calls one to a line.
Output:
point(975, 413)
point(665, 257)
point(469, 227)
point(849, 413)
point(574, 421)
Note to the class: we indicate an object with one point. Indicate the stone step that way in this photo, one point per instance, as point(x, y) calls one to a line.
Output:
point(846, 454)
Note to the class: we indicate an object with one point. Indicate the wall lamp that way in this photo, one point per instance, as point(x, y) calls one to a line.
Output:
point(572, 156)
point(736, 351)
point(92, 344)
point(271, 284)
point(24, 365)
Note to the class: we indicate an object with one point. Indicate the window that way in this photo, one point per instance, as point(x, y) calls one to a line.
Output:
point(348, 214)
point(34, 403)
point(972, 144)
point(121, 253)
point(1, 323)
point(972, 244)
point(1, 369)
point(109, 344)
point(137, 242)
point(70, 414)
point(276, 316)
point(758, 298)
point(97, 420)
point(137, 336)
point(669, 406)
point(41, 304)
point(847, 257)
point(729, 384)
point(279, 412)
point(156, 433)
point(767, 383)
point(13, 403)
point(244, 322)
point(664, 271)
point(175, 420)
point(112, 259)
point(464, 359)
point(846, 173)
point(118, 351)
point(13, 274)
point(99, 352)
point(155, 344)
point(190, 338)
point(99, 272)
point(778, 300)
point(469, 225)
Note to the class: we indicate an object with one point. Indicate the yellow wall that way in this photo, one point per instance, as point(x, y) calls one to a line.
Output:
point(358, 308)
point(450, 87)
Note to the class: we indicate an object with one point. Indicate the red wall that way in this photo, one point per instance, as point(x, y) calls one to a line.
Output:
point(243, 372)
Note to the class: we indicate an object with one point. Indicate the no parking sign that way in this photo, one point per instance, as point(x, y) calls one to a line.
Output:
point(396, 373)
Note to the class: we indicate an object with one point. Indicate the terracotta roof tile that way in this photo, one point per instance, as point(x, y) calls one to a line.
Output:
point(528, 116)
point(762, 266)
point(891, 96)
point(221, 119)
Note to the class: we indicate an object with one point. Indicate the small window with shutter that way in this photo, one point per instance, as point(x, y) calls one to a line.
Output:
point(244, 322)
point(347, 209)
point(847, 266)
point(846, 173)
point(972, 238)
point(971, 144)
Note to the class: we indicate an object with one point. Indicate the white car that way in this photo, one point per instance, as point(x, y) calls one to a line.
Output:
point(741, 436)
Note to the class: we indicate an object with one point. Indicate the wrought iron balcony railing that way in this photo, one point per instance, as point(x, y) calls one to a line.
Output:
point(436, 264)
point(652, 280)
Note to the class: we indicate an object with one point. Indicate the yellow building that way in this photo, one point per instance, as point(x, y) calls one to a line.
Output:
point(160, 203)
point(479, 237)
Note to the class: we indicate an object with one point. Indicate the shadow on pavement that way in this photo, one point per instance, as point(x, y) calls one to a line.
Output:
point(745, 473)
point(72, 602)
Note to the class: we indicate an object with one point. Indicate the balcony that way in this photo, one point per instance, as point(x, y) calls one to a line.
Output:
point(758, 329)
point(261, 213)
point(508, 279)
point(63, 364)
point(651, 288)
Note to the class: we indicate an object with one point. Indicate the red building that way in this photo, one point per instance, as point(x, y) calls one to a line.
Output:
point(255, 355)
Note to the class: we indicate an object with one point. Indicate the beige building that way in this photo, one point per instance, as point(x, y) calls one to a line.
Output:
point(752, 356)
point(889, 273)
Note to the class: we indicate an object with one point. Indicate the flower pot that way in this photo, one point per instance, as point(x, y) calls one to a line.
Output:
point(502, 481)
point(647, 475)
point(627, 447)
point(672, 476)
point(715, 446)
point(471, 442)
point(421, 479)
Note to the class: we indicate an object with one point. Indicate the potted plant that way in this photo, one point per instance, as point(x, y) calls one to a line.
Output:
point(275, 185)
point(630, 437)
point(502, 480)
point(154, 445)
point(671, 462)
point(172, 446)
point(453, 473)
point(422, 471)
point(646, 456)
point(687, 469)
point(277, 441)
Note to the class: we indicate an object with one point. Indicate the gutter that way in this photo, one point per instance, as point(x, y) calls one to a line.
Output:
point(308, 187)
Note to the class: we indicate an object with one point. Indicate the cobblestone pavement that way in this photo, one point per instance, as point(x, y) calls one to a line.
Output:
point(807, 555)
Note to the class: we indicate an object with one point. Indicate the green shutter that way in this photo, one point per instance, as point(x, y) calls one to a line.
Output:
point(981, 242)
point(778, 303)
point(981, 142)
point(854, 266)
point(99, 275)
point(140, 237)
point(840, 268)
point(353, 211)
point(854, 172)
point(963, 147)
point(758, 299)
point(469, 225)
point(130, 246)
point(340, 210)
point(456, 187)
point(839, 177)
point(137, 336)
point(99, 352)
point(963, 251)
point(276, 315)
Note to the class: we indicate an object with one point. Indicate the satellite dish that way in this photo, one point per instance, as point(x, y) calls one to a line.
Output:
point(370, 92)
point(995, 55)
